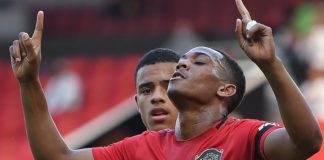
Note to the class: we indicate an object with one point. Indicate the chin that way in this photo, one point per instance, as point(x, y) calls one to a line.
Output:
point(172, 91)
point(175, 94)
point(159, 127)
point(173, 88)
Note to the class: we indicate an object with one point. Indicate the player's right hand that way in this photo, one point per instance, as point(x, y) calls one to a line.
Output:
point(257, 43)
point(25, 53)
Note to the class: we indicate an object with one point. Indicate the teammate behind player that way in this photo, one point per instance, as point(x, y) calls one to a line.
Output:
point(152, 76)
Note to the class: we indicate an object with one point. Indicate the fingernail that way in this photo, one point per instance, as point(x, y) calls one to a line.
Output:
point(25, 37)
point(18, 59)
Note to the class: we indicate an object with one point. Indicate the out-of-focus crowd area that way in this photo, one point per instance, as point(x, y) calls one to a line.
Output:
point(90, 50)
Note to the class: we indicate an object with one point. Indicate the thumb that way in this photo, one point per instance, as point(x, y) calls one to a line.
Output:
point(27, 42)
point(239, 32)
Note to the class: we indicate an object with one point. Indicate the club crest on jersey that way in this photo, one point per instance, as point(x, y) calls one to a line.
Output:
point(210, 154)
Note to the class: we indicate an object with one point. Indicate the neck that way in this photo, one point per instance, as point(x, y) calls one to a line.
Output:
point(191, 123)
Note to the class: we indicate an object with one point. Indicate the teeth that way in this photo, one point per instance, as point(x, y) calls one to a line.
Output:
point(177, 77)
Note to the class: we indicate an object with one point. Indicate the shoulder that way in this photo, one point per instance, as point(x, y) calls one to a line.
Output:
point(248, 125)
point(138, 139)
point(253, 129)
point(249, 122)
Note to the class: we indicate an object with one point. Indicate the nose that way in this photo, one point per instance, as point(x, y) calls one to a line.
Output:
point(182, 64)
point(158, 95)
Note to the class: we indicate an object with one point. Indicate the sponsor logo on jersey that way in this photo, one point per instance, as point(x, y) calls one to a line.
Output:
point(210, 154)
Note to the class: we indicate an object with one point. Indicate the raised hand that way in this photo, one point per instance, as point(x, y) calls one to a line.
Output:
point(255, 40)
point(25, 53)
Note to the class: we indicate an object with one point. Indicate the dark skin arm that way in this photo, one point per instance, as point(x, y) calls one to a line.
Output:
point(301, 136)
point(44, 138)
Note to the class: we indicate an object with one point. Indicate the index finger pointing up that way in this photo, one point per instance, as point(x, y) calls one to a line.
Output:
point(38, 32)
point(243, 11)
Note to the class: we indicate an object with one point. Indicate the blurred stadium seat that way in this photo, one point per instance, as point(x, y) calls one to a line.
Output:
point(107, 80)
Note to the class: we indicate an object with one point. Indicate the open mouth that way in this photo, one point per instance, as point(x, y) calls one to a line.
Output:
point(159, 114)
point(177, 75)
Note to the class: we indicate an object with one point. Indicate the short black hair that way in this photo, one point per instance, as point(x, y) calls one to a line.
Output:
point(158, 55)
point(236, 77)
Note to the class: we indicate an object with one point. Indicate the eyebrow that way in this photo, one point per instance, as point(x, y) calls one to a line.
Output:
point(165, 81)
point(145, 84)
point(151, 83)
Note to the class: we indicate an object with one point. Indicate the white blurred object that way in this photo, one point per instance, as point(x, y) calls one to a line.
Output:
point(63, 92)
point(316, 47)
point(64, 89)
point(314, 93)
point(313, 87)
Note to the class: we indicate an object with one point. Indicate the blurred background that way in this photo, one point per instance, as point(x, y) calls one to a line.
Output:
point(90, 50)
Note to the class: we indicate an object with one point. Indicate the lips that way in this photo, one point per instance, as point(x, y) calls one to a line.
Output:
point(159, 114)
point(177, 75)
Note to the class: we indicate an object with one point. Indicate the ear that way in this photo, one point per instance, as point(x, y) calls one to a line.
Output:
point(226, 90)
point(135, 97)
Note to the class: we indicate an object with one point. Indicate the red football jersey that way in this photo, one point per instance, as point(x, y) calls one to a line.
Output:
point(234, 139)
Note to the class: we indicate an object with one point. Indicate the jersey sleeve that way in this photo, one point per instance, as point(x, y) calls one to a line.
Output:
point(261, 133)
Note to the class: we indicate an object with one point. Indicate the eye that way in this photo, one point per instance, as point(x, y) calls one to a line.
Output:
point(145, 91)
point(199, 63)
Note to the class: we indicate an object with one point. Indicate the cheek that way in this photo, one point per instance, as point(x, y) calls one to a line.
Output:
point(207, 83)
point(143, 104)
point(170, 105)
point(174, 112)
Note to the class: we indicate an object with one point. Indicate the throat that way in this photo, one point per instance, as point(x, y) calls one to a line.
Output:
point(190, 125)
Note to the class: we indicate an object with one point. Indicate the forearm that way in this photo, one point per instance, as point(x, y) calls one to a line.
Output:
point(44, 138)
point(299, 121)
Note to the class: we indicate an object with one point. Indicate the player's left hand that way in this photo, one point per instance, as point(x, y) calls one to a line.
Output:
point(257, 42)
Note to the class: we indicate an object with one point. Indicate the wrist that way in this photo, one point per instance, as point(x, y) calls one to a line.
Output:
point(270, 66)
point(29, 81)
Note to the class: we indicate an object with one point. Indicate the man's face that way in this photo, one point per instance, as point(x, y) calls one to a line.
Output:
point(157, 111)
point(198, 77)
